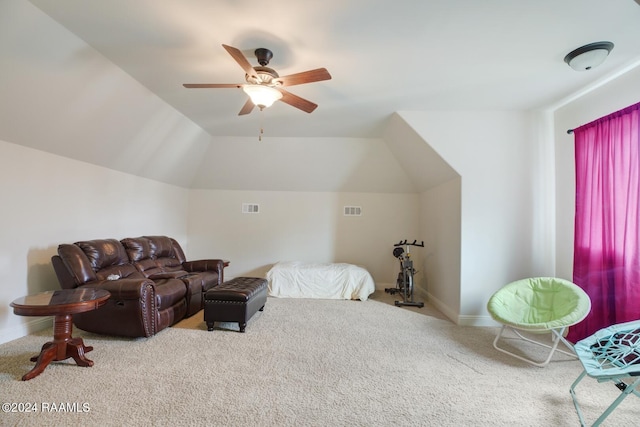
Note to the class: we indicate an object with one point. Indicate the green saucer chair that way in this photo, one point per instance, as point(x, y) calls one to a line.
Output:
point(539, 305)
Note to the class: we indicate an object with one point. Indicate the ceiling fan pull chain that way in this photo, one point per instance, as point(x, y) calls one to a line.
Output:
point(261, 127)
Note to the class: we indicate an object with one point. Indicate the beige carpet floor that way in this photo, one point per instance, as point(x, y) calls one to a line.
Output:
point(304, 363)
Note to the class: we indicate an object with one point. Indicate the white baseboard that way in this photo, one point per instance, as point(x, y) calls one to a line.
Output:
point(480, 321)
point(30, 326)
point(455, 317)
point(443, 308)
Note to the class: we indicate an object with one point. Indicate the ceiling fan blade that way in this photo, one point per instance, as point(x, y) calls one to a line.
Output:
point(317, 75)
point(246, 108)
point(211, 85)
point(240, 59)
point(296, 101)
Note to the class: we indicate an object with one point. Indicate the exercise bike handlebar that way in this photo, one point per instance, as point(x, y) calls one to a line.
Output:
point(405, 242)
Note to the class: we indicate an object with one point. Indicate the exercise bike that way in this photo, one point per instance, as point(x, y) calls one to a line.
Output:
point(404, 283)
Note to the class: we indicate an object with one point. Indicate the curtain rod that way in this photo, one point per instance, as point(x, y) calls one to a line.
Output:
point(625, 110)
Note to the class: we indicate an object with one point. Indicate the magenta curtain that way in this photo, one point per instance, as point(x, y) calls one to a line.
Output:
point(607, 219)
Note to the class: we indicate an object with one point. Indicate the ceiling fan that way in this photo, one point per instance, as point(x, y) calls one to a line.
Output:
point(263, 84)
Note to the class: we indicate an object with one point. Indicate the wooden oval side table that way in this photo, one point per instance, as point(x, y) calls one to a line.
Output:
point(62, 304)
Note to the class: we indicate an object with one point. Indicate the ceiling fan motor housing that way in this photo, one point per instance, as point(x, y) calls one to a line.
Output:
point(264, 56)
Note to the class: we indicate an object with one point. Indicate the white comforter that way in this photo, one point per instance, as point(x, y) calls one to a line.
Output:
point(327, 281)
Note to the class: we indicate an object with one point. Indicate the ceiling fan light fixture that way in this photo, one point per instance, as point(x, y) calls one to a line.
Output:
point(262, 96)
point(588, 56)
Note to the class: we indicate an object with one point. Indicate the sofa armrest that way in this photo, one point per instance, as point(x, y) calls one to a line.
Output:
point(214, 265)
point(124, 289)
point(65, 278)
point(130, 312)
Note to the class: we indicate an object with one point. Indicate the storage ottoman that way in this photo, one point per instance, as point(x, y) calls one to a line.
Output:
point(235, 301)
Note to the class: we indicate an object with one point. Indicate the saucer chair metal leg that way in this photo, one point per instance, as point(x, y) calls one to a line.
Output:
point(557, 336)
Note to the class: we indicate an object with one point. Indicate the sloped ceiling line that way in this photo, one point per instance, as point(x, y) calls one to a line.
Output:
point(425, 167)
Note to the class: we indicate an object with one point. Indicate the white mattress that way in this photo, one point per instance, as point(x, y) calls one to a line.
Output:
point(328, 281)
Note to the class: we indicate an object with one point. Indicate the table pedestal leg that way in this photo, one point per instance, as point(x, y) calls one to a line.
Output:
point(61, 348)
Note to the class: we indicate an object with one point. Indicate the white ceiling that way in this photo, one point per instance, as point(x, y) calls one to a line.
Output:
point(384, 56)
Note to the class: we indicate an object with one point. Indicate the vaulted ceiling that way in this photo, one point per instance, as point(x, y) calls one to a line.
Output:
point(383, 56)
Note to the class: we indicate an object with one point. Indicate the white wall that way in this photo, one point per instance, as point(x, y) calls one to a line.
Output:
point(615, 95)
point(301, 226)
point(502, 202)
point(342, 165)
point(441, 263)
point(48, 200)
point(439, 186)
point(60, 95)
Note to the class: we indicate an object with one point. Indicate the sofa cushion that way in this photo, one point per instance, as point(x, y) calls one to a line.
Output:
point(165, 254)
point(168, 264)
point(108, 259)
point(138, 248)
point(162, 246)
point(104, 253)
point(209, 279)
point(141, 252)
point(169, 292)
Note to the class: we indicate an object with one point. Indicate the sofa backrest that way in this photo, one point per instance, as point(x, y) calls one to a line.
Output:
point(154, 254)
point(72, 266)
point(141, 253)
point(91, 260)
point(108, 259)
point(167, 252)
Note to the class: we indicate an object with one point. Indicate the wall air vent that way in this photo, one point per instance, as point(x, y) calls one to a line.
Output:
point(352, 211)
point(252, 208)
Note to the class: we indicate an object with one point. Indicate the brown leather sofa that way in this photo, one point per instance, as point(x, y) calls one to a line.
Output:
point(151, 283)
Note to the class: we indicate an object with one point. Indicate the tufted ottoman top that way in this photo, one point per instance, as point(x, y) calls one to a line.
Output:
point(240, 289)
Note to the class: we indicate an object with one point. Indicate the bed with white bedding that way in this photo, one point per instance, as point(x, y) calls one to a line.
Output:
point(293, 279)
